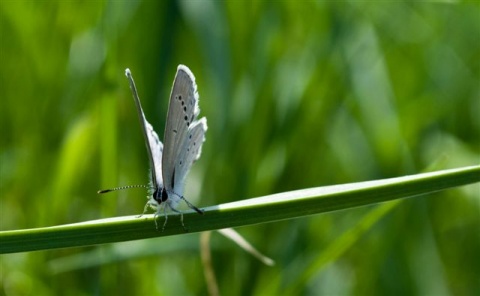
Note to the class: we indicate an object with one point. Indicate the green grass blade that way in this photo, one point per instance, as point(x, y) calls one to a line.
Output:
point(264, 209)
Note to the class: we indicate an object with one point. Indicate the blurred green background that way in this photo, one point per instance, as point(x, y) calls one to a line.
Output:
point(297, 95)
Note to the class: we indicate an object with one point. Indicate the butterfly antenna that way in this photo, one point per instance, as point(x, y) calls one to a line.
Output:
point(191, 206)
point(121, 188)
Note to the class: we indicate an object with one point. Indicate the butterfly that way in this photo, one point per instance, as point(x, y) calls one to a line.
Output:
point(183, 139)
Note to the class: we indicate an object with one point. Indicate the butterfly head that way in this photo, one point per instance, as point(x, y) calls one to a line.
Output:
point(160, 195)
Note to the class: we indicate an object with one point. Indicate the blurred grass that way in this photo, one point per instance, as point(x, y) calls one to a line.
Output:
point(294, 93)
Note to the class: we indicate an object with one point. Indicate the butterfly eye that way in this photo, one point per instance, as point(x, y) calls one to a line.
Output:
point(157, 195)
point(164, 195)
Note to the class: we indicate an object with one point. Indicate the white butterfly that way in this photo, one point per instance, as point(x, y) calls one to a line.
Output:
point(184, 136)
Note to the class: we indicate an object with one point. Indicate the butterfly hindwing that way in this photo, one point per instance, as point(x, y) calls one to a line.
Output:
point(190, 150)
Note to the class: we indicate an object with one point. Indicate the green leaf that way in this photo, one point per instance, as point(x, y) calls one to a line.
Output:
point(264, 209)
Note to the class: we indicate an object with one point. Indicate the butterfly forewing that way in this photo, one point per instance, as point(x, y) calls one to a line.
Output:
point(182, 113)
point(153, 143)
point(156, 147)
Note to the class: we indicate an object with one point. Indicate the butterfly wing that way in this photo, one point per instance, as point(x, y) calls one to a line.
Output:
point(181, 124)
point(190, 151)
point(153, 143)
point(156, 150)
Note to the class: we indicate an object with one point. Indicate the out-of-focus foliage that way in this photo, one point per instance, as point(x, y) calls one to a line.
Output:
point(297, 94)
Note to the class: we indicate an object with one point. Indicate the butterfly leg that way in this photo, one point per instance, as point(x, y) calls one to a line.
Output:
point(181, 218)
point(166, 218)
point(155, 217)
point(145, 209)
